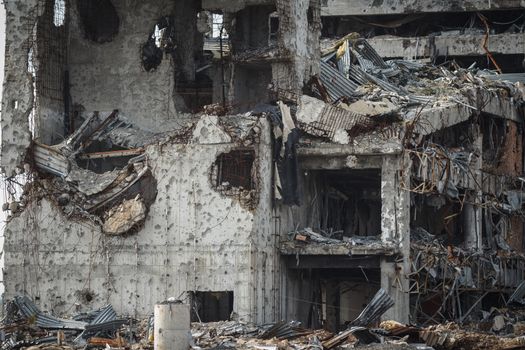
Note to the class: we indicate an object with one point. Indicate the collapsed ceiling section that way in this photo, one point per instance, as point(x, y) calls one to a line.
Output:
point(118, 198)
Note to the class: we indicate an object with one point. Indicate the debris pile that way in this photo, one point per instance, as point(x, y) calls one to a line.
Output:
point(25, 325)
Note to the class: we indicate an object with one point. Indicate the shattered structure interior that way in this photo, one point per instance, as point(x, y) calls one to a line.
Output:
point(268, 159)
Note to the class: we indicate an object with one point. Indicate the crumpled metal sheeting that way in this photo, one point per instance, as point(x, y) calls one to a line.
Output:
point(51, 160)
point(335, 82)
point(285, 330)
point(518, 295)
point(366, 51)
point(12, 344)
point(107, 313)
point(30, 310)
point(379, 304)
point(444, 271)
point(443, 170)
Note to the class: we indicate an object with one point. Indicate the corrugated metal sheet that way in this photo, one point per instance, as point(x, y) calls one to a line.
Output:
point(106, 314)
point(379, 304)
point(50, 160)
point(31, 311)
point(517, 296)
point(335, 82)
point(364, 50)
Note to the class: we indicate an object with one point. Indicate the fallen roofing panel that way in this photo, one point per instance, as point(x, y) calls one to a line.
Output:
point(324, 120)
point(335, 82)
point(31, 311)
point(379, 304)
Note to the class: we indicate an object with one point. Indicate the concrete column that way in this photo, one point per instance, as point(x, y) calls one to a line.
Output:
point(472, 223)
point(172, 326)
point(395, 228)
point(473, 214)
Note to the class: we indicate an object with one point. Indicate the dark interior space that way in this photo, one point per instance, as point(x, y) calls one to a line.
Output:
point(349, 201)
point(99, 19)
point(212, 306)
point(330, 297)
point(411, 25)
point(455, 137)
point(439, 216)
point(252, 28)
point(196, 94)
point(507, 63)
point(234, 169)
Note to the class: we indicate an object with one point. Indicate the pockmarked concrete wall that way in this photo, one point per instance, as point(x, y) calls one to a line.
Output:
point(194, 239)
point(108, 76)
point(17, 97)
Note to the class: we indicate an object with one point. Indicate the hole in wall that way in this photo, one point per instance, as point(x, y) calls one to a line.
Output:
point(349, 201)
point(310, 15)
point(85, 295)
point(160, 41)
point(234, 169)
point(233, 175)
point(99, 19)
point(211, 306)
point(273, 24)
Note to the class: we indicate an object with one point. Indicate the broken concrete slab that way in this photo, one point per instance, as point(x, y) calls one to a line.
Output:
point(122, 218)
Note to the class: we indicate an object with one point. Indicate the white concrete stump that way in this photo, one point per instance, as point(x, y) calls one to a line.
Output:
point(172, 326)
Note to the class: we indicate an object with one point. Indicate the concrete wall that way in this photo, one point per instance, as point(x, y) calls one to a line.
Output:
point(17, 97)
point(299, 32)
point(110, 76)
point(194, 239)
point(387, 7)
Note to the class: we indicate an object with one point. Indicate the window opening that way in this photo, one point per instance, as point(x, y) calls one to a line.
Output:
point(234, 169)
point(160, 41)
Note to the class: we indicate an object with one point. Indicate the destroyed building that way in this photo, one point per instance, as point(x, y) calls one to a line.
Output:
point(266, 159)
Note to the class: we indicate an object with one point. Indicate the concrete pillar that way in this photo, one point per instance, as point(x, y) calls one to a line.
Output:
point(472, 223)
point(472, 212)
point(172, 326)
point(333, 296)
point(395, 228)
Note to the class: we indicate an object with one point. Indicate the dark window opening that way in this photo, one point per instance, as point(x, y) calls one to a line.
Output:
point(438, 216)
point(274, 28)
point(99, 19)
point(161, 40)
point(329, 297)
point(251, 28)
point(457, 136)
point(234, 169)
point(211, 306)
point(198, 93)
point(349, 202)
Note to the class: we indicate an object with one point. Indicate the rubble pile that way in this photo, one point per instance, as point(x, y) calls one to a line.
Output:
point(26, 327)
